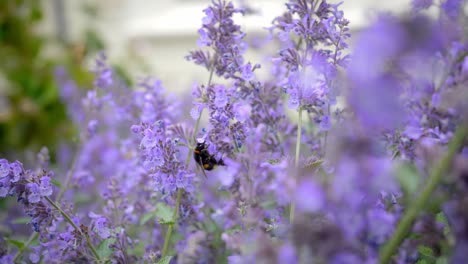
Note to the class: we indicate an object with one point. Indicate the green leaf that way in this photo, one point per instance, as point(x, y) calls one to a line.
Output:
point(270, 204)
point(22, 220)
point(138, 250)
point(164, 260)
point(16, 243)
point(3, 203)
point(414, 236)
point(56, 183)
point(442, 260)
point(409, 179)
point(82, 198)
point(273, 161)
point(103, 249)
point(440, 218)
point(146, 217)
point(426, 251)
point(164, 214)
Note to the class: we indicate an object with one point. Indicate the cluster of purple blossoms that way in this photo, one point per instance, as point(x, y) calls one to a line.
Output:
point(314, 36)
point(161, 158)
point(225, 38)
point(29, 188)
point(227, 104)
point(61, 238)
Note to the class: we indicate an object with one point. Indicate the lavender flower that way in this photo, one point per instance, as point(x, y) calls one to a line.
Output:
point(161, 158)
point(421, 4)
point(29, 188)
point(103, 73)
point(221, 34)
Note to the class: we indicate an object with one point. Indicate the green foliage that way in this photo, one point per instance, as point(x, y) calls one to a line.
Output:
point(17, 243)
point(31, 113)
point(103, 250)
point(34, 115)
point(165, 260)
point(164, 214)
point(22, 220)
point(427, 256)
point(409, 179)
point(441, 218)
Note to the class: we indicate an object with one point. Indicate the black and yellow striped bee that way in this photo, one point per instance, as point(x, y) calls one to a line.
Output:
point(205, 159)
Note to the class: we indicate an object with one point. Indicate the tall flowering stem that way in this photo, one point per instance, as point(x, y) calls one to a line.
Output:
point(18, 254)
point(70, 221)
point(415, 208)
point(296, 161)
point(180, 191)
point(68, 177)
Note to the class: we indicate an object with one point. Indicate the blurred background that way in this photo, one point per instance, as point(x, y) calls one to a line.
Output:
point(140, 37)
point(154, 36)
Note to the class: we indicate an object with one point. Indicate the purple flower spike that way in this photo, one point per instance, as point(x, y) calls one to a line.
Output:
point(4, 168)
point(17, 169)
point(45, 187)
point(34, 195)
point(309, 196)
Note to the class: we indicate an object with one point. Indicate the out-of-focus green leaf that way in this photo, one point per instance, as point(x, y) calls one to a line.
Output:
point(21, 220)
point(3, 203)
point(93, 42)
point(165, 260)
point(103, 249)
point(164, 214)
point(122, 74)
point(146, 217)
point(409, 179)
point(16, 243)
point(440, 218)
point(442, 260)
point(56, 183)
point(426, 251)
point(138, 250)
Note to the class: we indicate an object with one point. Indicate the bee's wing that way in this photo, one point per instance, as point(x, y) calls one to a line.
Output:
point(201, 166)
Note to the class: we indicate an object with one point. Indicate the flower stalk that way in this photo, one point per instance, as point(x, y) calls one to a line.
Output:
point(418, 205)
point(180, 191)
point(296, 161)
point(70, 221)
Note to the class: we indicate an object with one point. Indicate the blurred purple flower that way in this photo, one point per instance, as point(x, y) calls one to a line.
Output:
point(93, 126)
point(34, 195)
point(4, 168)
point(101, 225)
point(452, 7)
point(309, 196)
point(104, 74)
point(421, 4)
point(45, 188)
point(287, 254)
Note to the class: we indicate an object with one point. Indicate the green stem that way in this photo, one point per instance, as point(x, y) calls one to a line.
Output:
point(408, 218)
point(192, 139)
point(64, 187)
point(296, 162)
point(325, 140)
point(26, 245)
point(70, 221)
point(171, 226)
point(68, 177)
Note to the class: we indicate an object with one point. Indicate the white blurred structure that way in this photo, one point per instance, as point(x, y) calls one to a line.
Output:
point(159, 33)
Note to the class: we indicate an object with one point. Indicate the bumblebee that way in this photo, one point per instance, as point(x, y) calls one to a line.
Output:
point(204, 158)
